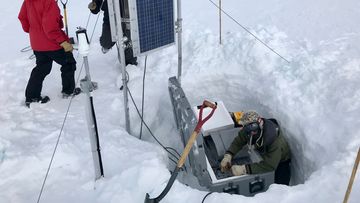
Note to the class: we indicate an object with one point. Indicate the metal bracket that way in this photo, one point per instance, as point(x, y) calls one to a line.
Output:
point(178, 25)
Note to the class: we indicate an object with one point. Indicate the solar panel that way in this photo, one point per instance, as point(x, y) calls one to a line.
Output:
point(152, 25)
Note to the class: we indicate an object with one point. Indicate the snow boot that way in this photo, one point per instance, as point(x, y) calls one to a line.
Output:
point(40, 99)
point(104, 50)
point(76, 91)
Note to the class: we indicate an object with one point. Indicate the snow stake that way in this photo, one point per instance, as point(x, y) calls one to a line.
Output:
point(348, 191)
point(185, 153)
point(87, 87)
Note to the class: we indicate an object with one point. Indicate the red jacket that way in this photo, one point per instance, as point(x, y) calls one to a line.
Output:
point(43, 21)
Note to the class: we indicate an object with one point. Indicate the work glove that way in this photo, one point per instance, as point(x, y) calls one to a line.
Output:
point(225, 163)
point(238, 170)
point(66, 46)
point(92, 6)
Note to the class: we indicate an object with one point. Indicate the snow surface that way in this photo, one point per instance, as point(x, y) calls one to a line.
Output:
point(316, 98)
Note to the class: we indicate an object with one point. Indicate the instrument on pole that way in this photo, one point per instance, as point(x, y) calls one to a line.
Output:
point(87, 87)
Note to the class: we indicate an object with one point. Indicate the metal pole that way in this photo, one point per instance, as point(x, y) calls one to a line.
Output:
point(117, 36)
point(120, 47)
point(179, 35)
point(87, 70)
point(220, 21)
point(93, 130)
point(87, 87)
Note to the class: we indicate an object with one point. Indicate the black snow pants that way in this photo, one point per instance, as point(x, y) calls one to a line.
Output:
point(283, 173)
point(44, 60)
point(107, 43)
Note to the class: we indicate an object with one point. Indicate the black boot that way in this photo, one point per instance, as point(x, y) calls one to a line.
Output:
point(76, 91)
point(40, 99)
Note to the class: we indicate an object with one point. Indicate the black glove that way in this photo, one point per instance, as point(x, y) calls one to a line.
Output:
point(92, 6)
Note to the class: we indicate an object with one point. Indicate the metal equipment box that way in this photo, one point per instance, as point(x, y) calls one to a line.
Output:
point(210, 146)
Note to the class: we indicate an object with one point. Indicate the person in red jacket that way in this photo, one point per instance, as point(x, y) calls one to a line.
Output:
point(43, 21)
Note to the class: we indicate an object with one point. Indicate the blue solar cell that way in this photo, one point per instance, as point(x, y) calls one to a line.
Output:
point(155, 23)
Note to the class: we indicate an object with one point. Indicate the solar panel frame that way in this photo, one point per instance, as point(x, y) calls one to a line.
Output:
point(152, 25)
point(114, 18)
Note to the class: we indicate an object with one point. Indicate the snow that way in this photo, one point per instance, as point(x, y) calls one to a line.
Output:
point(315, 98)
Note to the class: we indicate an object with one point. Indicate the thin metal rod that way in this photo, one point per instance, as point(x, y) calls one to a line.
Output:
point(117, 35)
point(124, 81)
point(143, 99)
point(219, 21)
point(179, 35)
point(87, 70)
point(248, 31)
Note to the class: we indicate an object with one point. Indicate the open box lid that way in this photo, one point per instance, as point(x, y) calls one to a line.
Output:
point(221, 119)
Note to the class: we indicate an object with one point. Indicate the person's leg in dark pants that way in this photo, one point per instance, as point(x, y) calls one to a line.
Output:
point(129, 55)
point(105, 38)
point(38, 74)
point(68, 74)
point(68, 67)
point(283, 173)
point(107, 43)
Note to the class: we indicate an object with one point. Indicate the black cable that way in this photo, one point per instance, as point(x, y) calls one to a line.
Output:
point(177, 157)
point(142, 98)
point(206, 196)
point(174, 161)
point(170, 148)
point(142, 118)
point(248, 31)
point(53, 154)
point(151, 133)
point(143, 122)
point(97, 136)
point(147, 127)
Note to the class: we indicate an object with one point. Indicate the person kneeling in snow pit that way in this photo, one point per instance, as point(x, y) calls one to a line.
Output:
point(265, 136)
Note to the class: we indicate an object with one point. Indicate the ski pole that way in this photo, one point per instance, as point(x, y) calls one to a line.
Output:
point(65, 16)
point(185, 153)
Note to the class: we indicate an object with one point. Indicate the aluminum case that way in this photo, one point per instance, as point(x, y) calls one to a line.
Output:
point(209, 148)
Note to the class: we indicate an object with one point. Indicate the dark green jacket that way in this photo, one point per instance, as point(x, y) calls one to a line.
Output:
point(274, 151)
